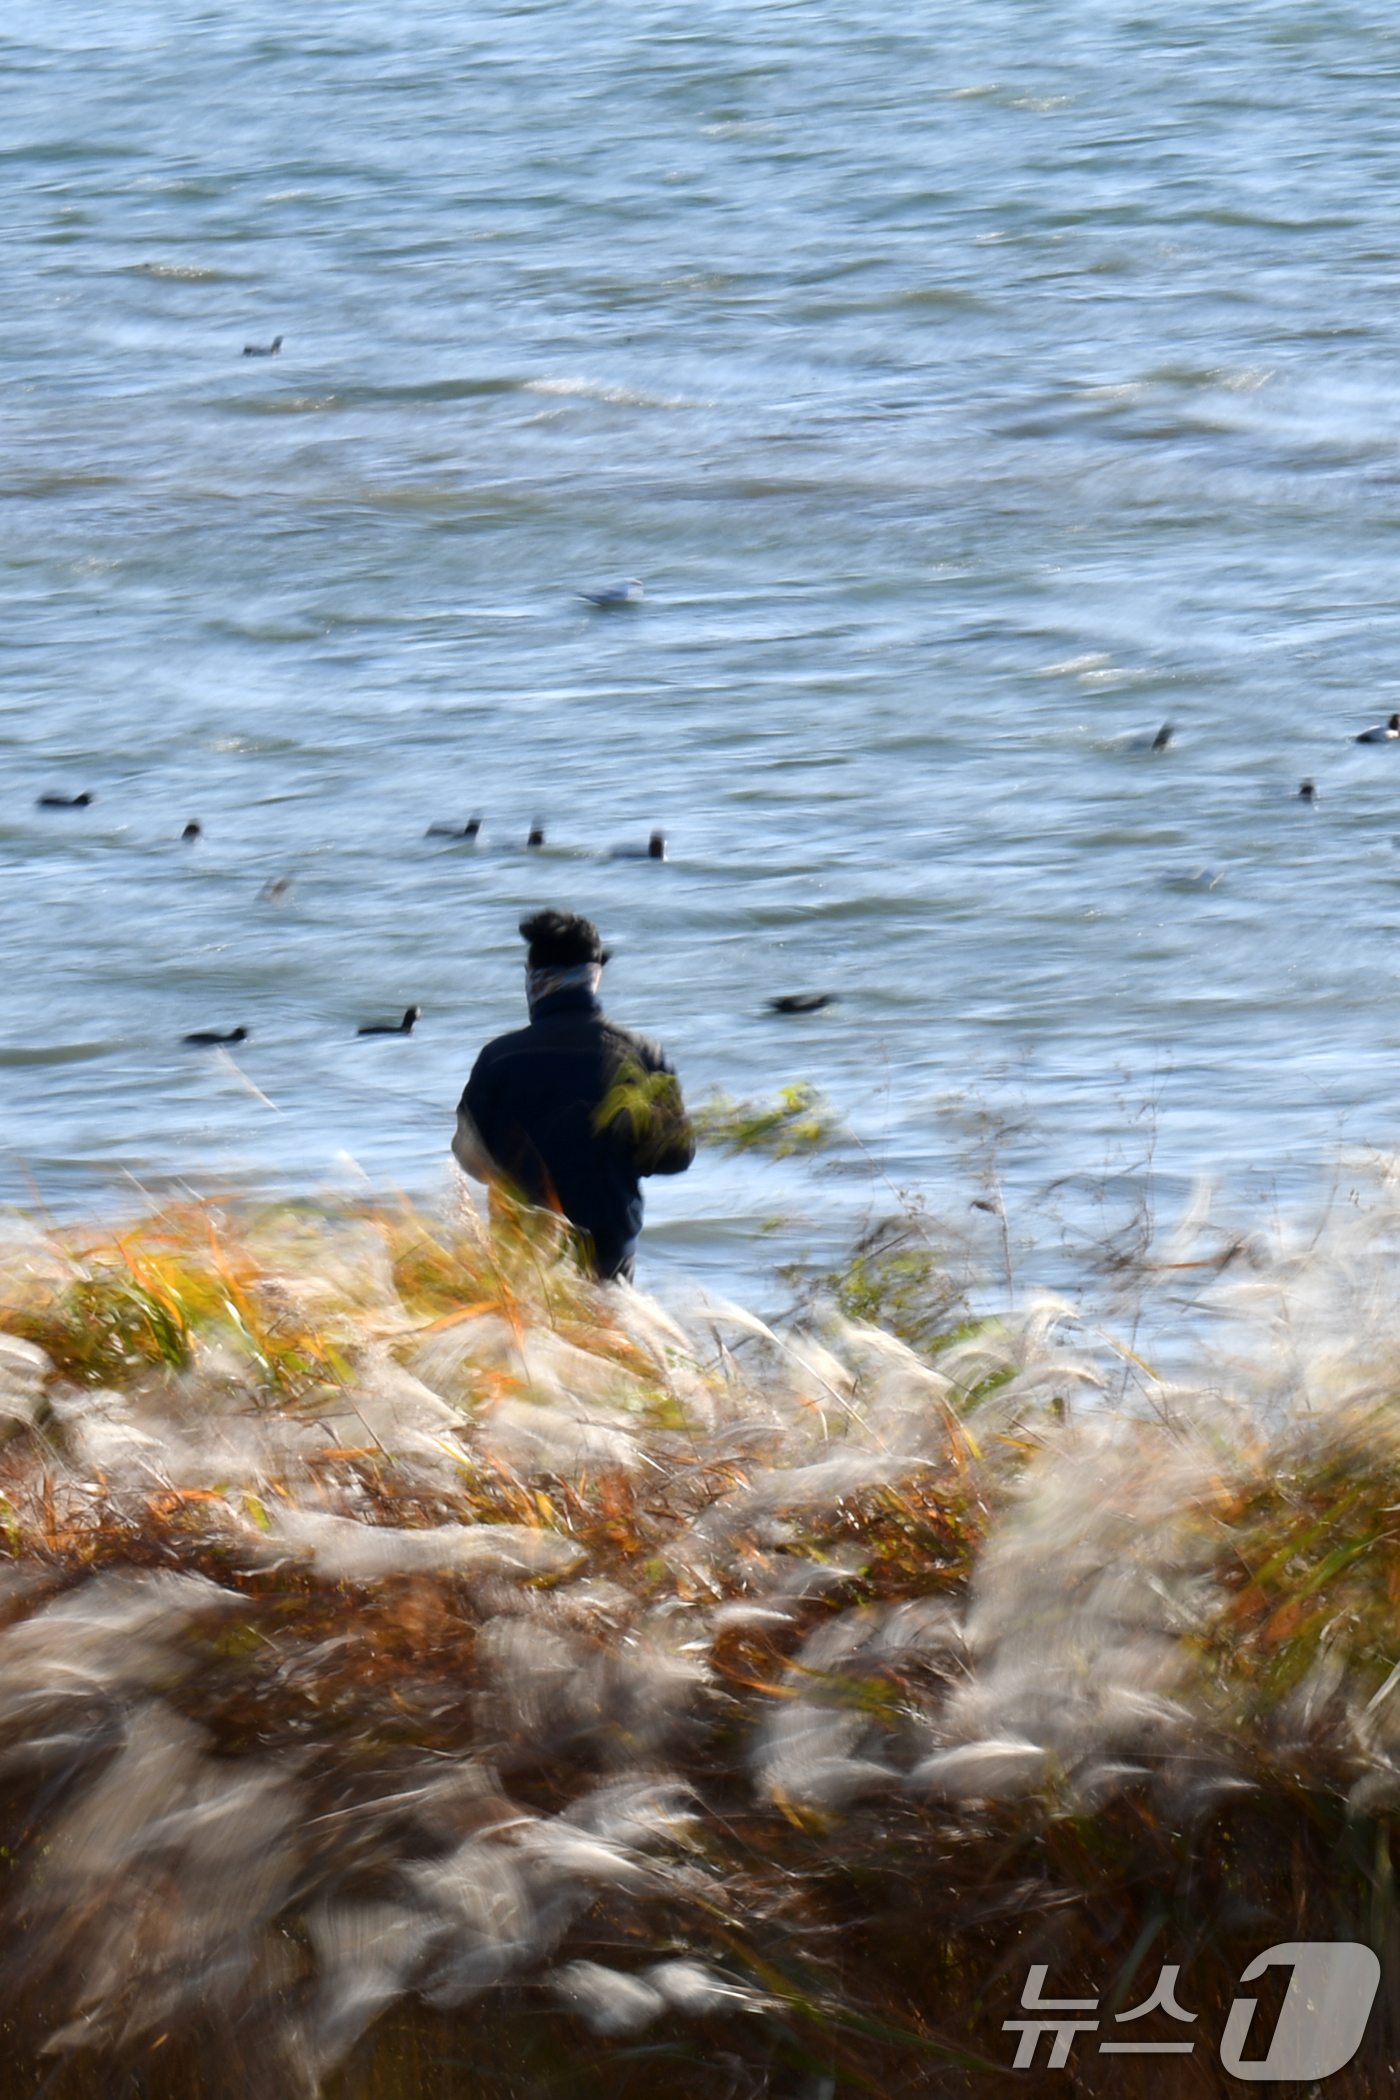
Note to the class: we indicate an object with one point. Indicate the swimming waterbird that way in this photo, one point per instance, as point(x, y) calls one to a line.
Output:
point(617, 597)
point(801, 1002)
point(403, 1027)
point(454, 831)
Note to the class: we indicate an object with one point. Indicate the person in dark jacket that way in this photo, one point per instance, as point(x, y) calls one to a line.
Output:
point(574, 1110)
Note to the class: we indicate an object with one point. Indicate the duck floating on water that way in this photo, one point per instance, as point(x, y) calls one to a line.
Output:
point(272, 349)
point(83, 801)
point(1383, 733)
point(801, 1002)
point(210, 1038)
point(468, 830)
point(192, 831)
point(536, 837)
point(1308, 793)
point(403, 1027)
point(618, 597)
point(654, 849)
point(1163, 740)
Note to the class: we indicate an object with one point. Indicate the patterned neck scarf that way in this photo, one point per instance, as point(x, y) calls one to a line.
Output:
point(578, 977)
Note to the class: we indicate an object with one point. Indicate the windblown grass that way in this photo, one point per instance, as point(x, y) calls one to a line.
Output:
point(799, 1120)
point(426, 1672)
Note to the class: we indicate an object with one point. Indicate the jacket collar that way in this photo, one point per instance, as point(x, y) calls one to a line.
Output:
point(577, 1001)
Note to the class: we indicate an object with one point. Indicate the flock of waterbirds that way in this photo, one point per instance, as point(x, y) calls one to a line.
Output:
point(1387, 732)
point(654, 849)
point(218, 1038)
point(279, 890)
point(617, 597)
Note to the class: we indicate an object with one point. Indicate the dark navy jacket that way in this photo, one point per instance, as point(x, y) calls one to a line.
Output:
point(535, 1098)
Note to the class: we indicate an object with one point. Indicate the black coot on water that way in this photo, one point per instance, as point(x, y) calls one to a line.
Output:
point(403, 1027)
point(209, 1038)
point(1162, 740)
point(83, 801)
point(801, 1002)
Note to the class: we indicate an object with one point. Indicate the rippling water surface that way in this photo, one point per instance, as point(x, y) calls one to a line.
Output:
point(972, 399)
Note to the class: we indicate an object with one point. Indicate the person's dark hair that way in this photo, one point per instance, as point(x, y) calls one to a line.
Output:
point(560, 939)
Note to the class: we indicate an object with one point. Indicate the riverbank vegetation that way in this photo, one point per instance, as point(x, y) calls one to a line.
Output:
point(426, 1672)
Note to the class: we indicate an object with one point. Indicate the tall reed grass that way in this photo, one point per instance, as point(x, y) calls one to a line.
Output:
point(426, 1672)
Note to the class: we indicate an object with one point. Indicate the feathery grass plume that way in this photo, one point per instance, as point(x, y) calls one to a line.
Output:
point(425, 1670)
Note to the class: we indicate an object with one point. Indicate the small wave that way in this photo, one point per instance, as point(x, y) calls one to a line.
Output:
point(1075, 666)
point(1211, 378)
point(252, 746)
point(265, 630)
point(185, 273)
point(938, 295)
point(296, 405)
point(59, 484)
point(54, 1053)
point(426, 391)
point(615, 396)
point(197, 189)
point(1113, 674)
point(1248, 381)
point(79, 149)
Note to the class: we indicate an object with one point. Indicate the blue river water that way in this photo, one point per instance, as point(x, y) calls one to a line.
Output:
point(973, 392)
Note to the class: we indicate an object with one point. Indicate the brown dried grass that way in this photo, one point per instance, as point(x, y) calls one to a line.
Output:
point(777, 1578)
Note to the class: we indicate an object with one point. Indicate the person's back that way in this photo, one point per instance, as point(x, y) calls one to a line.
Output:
point(574, 1109)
